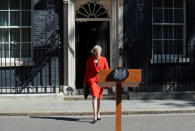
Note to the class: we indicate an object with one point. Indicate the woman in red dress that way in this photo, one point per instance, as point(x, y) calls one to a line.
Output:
point(94, 64)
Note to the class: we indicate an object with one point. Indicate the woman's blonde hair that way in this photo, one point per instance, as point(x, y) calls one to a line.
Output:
point(97, 47)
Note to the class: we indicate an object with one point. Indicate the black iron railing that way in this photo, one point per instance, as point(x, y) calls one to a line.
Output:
point(45, 53)
point(162, 72)
point(37, 74)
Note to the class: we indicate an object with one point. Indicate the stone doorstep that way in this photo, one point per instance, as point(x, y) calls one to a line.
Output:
point(81, 97)
point(107, 95)
point(106, 91)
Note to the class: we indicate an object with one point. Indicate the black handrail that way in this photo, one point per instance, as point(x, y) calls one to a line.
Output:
point(52, 43)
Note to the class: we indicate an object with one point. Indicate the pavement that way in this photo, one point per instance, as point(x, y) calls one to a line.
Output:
point(148, 122)
point(56, 105)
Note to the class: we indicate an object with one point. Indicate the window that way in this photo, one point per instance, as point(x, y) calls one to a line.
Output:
point(15, 29)
point(168, 31)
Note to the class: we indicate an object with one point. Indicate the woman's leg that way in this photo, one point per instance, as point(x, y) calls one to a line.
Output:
point(94, 101)
point(99, 101)
point(98, 107)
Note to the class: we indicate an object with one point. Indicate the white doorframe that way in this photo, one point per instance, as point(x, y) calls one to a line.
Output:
point(69, 49)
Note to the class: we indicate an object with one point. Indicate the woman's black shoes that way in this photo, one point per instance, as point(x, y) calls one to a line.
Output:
point(98, 119)
point(94, 121)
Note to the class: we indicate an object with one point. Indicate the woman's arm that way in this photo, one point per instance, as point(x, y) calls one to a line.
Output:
point(106, 66)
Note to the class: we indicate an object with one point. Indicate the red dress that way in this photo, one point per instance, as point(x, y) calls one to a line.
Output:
point(91, 75)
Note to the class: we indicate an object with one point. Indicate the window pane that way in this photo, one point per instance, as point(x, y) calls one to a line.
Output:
point(15, 35)
point(157, 3)
point(15, 50)
point(178, 32)
point(4, 35)
point(157, 15)
point(157, 47)
point(168, 15)
point(26, 50)
point(26, 18)
point(14, 4)
point(3, 18)
point(168, 47)
point(3, 4)
point(26, 4)
point(168, 32)
point(157, 32)
point(26, 35)
point(179, 16)
point(178, 47)
point(14, 18)
point(178, 4)
point(168, 3)
point(4, 50)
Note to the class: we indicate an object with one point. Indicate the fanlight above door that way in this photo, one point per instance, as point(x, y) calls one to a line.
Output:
point(92, 10)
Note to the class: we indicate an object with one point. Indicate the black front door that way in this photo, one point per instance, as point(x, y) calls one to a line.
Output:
point(89, 34)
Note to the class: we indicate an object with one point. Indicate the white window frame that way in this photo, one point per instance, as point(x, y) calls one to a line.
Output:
point(15, 61)
point(170, 58)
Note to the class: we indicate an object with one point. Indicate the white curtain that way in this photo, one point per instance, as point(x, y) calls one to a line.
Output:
point(4, 35)
point(3, 18)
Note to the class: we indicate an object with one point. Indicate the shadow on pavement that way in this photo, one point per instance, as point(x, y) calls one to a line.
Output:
point(181, 103)
point(86, 120)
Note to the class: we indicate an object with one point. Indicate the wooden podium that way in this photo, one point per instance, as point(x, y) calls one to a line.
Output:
point(106, 80)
